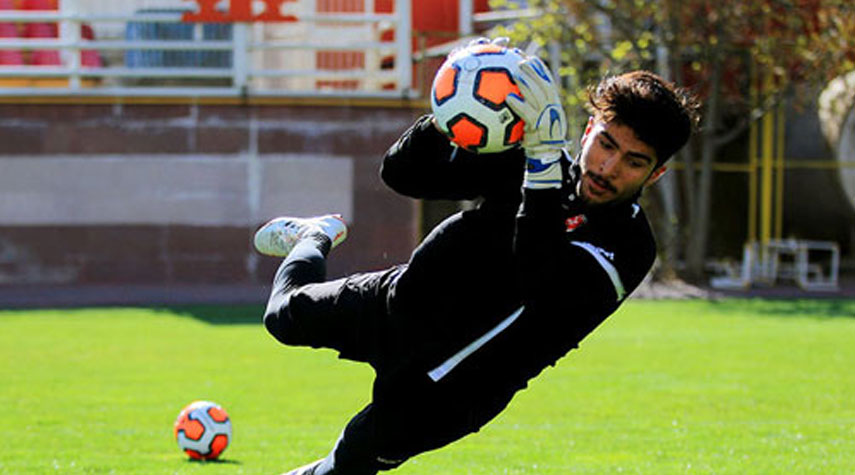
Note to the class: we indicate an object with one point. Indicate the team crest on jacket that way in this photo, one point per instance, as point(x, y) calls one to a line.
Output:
point(574, 222)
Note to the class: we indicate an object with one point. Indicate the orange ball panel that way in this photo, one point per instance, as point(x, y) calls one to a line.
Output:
point(218, 445)
point(192, 429)
point(193, 454)
point(218, 414)
point(468, 134)
point(494, 87)
point(445, 83)
point(517, 131)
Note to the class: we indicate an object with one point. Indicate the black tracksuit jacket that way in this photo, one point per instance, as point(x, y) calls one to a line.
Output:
point(455, 309)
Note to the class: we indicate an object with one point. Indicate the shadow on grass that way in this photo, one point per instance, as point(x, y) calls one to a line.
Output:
point(809, 308)
point(215, 462)
point(218, 314)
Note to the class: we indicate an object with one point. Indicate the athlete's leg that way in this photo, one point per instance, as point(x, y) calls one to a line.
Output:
point(305, 264)
point(409, 415)
point(345, 314)
point(304, 243)
point(355, 452)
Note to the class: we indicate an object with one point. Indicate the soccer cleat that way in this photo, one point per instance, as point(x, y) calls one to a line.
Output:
point(279, 236)
point(306, 469)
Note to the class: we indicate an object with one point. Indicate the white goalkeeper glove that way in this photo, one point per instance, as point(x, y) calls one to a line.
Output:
point(545, 124)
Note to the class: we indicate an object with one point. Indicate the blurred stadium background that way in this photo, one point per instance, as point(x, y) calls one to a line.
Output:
point(143, 141)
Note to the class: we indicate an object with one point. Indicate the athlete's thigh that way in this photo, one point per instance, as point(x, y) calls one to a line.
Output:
point(414, 415)
point(346, 314)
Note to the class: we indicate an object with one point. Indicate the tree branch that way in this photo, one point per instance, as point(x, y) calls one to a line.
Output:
point(734, 132)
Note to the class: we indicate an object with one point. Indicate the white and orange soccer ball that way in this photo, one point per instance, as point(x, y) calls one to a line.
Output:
point(203, 430)
point(468, 98)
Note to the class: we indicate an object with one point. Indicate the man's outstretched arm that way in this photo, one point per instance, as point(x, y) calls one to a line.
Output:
point(424, 164)
point(557, 277)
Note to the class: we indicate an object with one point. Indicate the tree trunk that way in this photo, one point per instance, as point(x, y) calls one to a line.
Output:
point(686, 157)
point(667, 186)
point(700, 218)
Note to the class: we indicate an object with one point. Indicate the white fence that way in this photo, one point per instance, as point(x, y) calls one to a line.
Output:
point(813, 265)
point(143, 48)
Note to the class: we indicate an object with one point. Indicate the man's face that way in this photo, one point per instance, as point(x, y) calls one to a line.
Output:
point(615, 164)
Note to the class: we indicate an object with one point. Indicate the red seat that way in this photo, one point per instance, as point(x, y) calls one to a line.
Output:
point(39, 4)
point(43, 57)
point(10, 57)
point(8, 30)
point(42, 30)
point(86, 32)
point(89, 57)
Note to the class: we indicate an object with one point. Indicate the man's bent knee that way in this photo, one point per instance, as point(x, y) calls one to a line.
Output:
point(278, 321)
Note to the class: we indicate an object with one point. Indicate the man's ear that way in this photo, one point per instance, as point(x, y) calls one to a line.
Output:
point(654, 177)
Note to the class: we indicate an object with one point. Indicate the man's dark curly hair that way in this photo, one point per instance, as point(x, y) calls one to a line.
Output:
point(661, 114)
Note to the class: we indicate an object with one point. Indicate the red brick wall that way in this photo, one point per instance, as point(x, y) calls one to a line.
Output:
point(383, 225)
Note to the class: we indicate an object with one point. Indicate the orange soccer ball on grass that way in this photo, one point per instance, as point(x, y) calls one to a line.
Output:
point(468, 98)
point(203, 430)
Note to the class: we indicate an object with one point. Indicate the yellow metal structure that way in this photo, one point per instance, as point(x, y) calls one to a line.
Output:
point(752, 169)
point(779, 182)
point(767, 157)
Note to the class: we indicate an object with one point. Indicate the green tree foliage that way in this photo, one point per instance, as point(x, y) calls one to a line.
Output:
point(741, 57)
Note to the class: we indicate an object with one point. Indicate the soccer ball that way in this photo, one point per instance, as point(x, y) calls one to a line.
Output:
point(468, 98)
point(203, 430)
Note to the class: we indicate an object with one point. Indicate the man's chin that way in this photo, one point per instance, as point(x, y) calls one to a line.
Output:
point(595, 199)
point(597, 202)
point(605, 199)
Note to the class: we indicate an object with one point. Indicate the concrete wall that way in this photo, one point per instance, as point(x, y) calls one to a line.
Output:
point(169, 195)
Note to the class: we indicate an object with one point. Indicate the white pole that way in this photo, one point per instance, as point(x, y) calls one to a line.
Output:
point(465, 14)
point(403, 38)
point(69, 32)
point(240, 55)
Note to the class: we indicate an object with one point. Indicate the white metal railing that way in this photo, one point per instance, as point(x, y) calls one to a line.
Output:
point(151, 52)
point(813, 265)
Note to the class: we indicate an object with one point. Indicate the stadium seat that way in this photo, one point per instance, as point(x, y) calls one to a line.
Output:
point(89, 58)
point(39, 4)
point(42, 30)
point(10, 57)
point(178, 31)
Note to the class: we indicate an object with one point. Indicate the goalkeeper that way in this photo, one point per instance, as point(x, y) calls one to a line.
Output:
point(492, 295)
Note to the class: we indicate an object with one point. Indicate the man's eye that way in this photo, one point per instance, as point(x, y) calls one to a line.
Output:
point(606, 144)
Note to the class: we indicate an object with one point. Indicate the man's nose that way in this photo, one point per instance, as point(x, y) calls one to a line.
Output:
point(610, 165)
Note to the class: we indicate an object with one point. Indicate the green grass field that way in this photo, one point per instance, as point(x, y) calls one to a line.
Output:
point(736, 386)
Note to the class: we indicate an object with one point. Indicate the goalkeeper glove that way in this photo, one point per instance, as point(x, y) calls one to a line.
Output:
point(545, 124)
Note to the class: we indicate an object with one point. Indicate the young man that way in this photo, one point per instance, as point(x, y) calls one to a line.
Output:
point(492, 295)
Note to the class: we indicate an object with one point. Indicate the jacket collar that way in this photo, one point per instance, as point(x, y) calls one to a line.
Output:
point(572, 176)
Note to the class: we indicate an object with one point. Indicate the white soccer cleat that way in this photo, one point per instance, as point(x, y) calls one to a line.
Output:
point(279, 236)
point(306, 469)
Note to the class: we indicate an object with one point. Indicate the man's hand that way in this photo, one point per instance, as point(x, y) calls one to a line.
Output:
point(545, 123)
